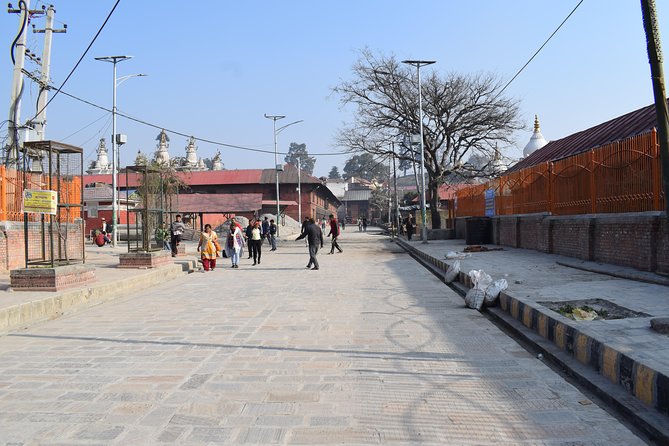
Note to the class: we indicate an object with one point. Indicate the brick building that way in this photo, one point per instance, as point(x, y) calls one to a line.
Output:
point(241, 189)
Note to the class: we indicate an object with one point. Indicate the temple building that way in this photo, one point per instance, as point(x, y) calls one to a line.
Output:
point(537, 140)
point(101, 165)
point(162, 156)
point(192, 163)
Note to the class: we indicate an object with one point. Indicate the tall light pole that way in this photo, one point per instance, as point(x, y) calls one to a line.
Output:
point(275, 118)
point(115, 161)
point(423, 212)
point(277, 166)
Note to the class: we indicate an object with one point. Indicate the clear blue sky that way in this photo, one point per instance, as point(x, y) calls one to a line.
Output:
point(215, 69)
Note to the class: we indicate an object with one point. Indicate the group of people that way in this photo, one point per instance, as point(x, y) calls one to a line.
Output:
point(254, 236)
point(256, 233)
point(102, 236)
point(314, 235)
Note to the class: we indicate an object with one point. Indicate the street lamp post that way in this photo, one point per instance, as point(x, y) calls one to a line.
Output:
point(278, 167)
point(115, 161)
point(423, 212)
point(275, 118)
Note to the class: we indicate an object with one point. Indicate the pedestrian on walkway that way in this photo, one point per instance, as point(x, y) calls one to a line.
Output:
point(177, 229)
point(247, 233)
point(305, 223)
point(234, 244)
point(334, 233)
point(408, 224)
point(343, 224)
point(314, 236)
point(272, 234)
point(364, 224)
point(264, 229)
point(208, 248)
point(359, 225)
point(255, 243)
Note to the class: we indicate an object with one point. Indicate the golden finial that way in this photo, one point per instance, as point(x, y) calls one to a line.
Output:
point(536, 124)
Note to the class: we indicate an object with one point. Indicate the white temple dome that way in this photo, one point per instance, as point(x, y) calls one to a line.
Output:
point(537, 140)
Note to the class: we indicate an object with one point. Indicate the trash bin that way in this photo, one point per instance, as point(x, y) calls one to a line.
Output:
point(479, 231)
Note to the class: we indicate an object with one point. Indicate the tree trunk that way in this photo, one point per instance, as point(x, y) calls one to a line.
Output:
point(434, 205)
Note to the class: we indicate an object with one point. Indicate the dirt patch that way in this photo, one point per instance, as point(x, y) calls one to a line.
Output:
point(592, 309)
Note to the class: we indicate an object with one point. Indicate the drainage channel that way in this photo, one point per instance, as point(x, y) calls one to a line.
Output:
point(648, 424)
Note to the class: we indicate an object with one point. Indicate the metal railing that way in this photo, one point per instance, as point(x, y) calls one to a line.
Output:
point(624, 176)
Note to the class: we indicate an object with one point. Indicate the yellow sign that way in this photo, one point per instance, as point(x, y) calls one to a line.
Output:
point(40, 201)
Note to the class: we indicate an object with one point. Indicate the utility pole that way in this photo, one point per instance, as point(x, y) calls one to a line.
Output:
point(18, 54)
point(655, 59)
point(390, 197)
point(40, 119)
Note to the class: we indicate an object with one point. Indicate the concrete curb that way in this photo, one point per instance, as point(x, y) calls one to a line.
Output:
point(562, 343)
point(71, 300)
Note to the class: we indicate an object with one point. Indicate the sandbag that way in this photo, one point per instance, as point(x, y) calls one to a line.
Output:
point(474, 298)
point(493, 290)
point(452, 272)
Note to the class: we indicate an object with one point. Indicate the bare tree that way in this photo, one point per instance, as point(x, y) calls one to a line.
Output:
point(463, 114)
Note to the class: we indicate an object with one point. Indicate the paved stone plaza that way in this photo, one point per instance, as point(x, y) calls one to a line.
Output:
point(371, 349)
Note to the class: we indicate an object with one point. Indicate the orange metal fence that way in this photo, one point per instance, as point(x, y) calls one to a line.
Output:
point(11, 194)
point(624, 176)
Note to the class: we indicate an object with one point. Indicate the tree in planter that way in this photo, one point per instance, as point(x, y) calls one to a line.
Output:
point(300, 151)
point(463, 115)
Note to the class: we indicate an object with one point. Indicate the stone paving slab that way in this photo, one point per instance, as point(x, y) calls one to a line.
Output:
point(626, 351)
point(371, 349)
point(19, 309)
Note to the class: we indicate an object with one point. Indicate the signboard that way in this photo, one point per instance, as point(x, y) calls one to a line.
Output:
point(40, 201)
point(490, 202)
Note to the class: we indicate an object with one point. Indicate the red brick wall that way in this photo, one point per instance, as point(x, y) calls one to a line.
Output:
point(12, 243)
point(571, 236)
point(638, 240)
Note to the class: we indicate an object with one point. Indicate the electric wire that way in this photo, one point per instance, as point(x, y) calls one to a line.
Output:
point(187, 135)
point(540, 48)
point(80, 59)
point(85, 127)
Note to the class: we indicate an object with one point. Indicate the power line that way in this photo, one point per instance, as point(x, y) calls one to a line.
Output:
point(540, 48)
point(188, 135)
point(58, 90)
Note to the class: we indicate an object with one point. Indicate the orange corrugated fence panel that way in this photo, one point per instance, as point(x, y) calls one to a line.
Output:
point(624, 176)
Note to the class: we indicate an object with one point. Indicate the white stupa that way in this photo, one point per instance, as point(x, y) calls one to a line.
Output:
point(192, 163)
point(101, 165)
point(162, 156)
point(537, 140)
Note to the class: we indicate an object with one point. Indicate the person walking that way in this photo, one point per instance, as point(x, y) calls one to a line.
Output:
point(208, 248)
point(364, 224)
point(359, 225)
point(305, 223)
point(343, 224)
point(177, 229)
point(314, 236)
point(247, 233)
point(264, 229)
point(334, 233)
point(408, 224)
point(272, 234)
point(234, 244)
point(256, 243)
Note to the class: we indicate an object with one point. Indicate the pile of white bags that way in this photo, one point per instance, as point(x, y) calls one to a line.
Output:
point(484, 291)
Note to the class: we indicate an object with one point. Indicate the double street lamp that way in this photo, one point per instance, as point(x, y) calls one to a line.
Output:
point(116, 142)
point(423, 212)
point(278, 167)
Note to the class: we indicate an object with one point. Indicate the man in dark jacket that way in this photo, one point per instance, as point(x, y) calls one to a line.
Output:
point(264, 229)
point(334, 233)
point(314, 236)
point(177, 229)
